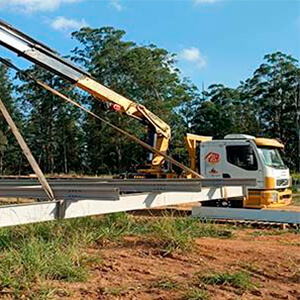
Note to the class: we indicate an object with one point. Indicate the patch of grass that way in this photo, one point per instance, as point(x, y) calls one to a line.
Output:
point(250, 267)
point(115, 291)
point(179, 234)
point(34, 262)
point(196, 294)
point(31, 255)
point(166, 284)
point(238, 280)
point(114, 226)
point(171, 236)
point(295, 277)
point(268, 232)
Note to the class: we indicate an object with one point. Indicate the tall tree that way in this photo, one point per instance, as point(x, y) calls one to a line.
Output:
point(52, 125)
point(274, 93)
point(266, 104)
point(144, 74)
point(11, 158)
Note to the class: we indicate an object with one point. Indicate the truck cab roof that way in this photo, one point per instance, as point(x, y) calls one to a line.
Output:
point(258, 141)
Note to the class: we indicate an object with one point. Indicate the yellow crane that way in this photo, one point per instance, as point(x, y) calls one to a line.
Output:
point(235, 156)
point(43, 56)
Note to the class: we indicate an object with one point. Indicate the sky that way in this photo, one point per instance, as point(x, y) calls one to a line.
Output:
point(216, 41)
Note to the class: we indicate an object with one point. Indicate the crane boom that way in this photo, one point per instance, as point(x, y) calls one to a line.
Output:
point(42, 55)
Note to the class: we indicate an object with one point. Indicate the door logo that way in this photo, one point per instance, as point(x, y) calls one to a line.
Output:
point(213, 158)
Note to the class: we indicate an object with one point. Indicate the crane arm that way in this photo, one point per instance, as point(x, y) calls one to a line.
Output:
point(41, 55)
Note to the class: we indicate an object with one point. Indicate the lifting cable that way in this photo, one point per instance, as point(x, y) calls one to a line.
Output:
point(130, 136)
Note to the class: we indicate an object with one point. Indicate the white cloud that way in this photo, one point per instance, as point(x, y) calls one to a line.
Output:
point(30, 6)
point(116, 4)
point(64, 24)
point(193, 55)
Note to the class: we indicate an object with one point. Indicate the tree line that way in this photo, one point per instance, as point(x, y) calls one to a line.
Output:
point(65, 140)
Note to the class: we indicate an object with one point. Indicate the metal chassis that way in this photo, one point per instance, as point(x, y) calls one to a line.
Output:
point(85, 198)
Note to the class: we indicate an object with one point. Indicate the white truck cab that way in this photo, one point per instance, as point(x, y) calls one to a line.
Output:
point(245, 156)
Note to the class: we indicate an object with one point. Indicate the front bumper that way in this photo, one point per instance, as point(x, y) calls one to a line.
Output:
point(268, 198)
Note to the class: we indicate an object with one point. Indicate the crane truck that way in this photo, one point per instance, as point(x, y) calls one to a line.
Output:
point(243, 156)
point(236, 156)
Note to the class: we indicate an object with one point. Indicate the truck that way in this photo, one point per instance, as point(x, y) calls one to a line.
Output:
point(236, 156)
point(243, 156)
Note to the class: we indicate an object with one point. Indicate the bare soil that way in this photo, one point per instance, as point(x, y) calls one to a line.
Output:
point(136, 269)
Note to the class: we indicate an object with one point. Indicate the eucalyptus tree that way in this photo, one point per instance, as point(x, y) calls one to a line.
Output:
point(52, 126)
point(273, 91)
point(11, 159)
point(145, 74)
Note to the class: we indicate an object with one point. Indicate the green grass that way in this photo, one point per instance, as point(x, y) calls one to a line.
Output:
point(115, 291)
point(238, 280)
point(166, 284)
point(268, 232)
point(196, 294)
point(31, 256)
point(179, 234)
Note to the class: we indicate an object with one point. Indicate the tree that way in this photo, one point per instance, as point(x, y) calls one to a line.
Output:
point(52, 125)
point(266, 105)
point(216, 114)
point(145, 74)
point(274, 93)
point(11, 158)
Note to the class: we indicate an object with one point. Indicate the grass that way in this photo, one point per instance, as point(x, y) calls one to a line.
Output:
point(268, 232)
point(115, 291)
point(295, 277)
point(31, 256)
point(238, 280)
point(166, 284)
point(179, 234)
point(196, 294)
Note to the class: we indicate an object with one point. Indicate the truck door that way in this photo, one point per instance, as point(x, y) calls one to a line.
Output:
point(212, 157)
point(241, 161)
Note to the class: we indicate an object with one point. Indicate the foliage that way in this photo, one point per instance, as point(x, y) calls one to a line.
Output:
point(178, 234)
point(166, 284)
point(196, 294)
point(64, 140)
point(144, 74)
point(264, 105)
point(33, 255)
point(11, 160)
point(51, 125)
point(239, 280)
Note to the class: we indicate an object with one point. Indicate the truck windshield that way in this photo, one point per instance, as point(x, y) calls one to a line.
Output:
point(272, 157)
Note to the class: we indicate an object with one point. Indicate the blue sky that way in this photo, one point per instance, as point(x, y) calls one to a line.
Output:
point(217, 41)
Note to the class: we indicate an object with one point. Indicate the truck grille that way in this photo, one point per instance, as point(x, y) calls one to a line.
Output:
point(282, 182)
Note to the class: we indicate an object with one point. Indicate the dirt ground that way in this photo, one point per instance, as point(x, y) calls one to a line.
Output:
point(135, 269)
